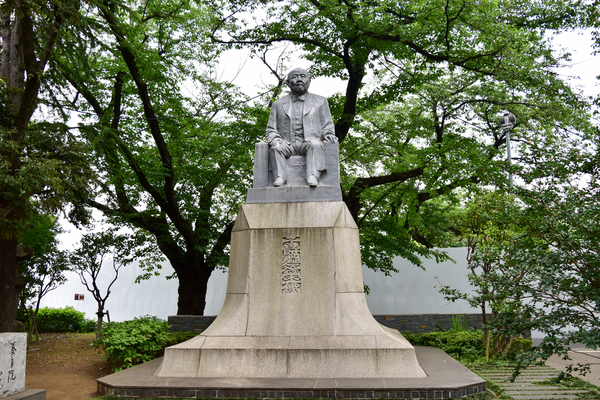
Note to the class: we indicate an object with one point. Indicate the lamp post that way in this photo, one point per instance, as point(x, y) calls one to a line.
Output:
point(507, 122)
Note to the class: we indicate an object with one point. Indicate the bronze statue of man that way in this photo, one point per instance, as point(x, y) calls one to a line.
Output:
point(298, 125)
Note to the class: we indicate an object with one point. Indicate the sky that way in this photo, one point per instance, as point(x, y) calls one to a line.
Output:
point(583, 70)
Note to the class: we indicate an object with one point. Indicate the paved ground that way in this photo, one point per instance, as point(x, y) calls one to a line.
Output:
point(580, 356)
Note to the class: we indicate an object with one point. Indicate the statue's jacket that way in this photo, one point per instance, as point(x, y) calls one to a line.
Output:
point(316, 121)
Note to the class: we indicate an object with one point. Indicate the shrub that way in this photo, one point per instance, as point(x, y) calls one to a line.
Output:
point(466, 346)
point(174, 338)
point(65, 319)
point(129, 343)
point(89, 325)
point(519, 345)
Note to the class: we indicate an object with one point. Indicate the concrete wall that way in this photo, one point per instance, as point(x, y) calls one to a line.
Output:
point(416, 291)
point(410, 291)
point(413, 323)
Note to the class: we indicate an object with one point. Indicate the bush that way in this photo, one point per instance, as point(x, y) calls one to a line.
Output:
point(89, 325)
point(519, 345)
point(129, 343)
point(466, 346)
point(65, 319)
point(174, 338)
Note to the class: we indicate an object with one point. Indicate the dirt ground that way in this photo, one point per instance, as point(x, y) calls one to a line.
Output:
point(66, 365)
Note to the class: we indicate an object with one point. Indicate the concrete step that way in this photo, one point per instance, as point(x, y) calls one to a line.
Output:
point(526, 373)
point(556, 391)
point(512, 368)
point(543, 396)
point(508, 380)
point(524, 387)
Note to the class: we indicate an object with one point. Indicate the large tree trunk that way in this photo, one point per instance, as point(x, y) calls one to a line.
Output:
point(193, 278)
point(8, 277)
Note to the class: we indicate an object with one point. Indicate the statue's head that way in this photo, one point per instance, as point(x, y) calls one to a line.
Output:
point(298, 81)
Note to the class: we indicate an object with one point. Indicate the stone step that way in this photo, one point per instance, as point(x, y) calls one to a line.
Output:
point(546, 376)
point(524, 387)
point(537, 381)
point(510, 368)
point(548, 391)
point(519, 385)
point(523, 373)
point(543, 396)
point(520, 377)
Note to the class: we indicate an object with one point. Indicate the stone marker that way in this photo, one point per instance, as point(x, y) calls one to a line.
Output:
point(295, 305)
point(13, 349)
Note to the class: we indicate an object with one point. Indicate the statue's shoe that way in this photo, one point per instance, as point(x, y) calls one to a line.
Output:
point(279, 181)
point(312, 181)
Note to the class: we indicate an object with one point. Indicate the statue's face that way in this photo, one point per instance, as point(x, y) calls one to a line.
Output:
point(299, 81)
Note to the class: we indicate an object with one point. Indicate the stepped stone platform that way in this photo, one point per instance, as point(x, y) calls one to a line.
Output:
point(295, 324)
point(445, 378)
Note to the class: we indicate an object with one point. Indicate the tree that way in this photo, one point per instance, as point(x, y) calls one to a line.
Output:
point(566, 294)
point(43, 160)
point(176, 166)
point(90, 257)
point(539, 256)
point(425, 81)
point(417, 120)
point(44, 272)
point(488, 225)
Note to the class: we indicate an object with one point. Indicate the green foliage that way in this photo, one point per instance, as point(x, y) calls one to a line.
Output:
point(128, 343)
point(61, 320)
point(39, 160)
point(424, 82)
point(458, 323)
point(466, 346)
point(488, 224)
point(176, 163)
point(44, 272)
point(89, 326)
point(568, 381)
point(487, 395)
point(565, 222)
point(174, 338)
point(88, 260)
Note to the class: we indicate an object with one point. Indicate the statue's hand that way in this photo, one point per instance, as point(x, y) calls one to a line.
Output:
point(331, 138)
point(282, 147)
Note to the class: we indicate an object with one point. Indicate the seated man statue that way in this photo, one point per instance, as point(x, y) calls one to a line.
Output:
point(298, 125)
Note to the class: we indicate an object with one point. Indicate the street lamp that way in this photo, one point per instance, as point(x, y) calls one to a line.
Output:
point(507, 122)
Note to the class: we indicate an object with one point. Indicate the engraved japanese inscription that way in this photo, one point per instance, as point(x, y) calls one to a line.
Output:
point(291, 277)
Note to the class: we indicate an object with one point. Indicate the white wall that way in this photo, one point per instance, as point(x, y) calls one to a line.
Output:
point(415, 291)
point(410, 291)
point(156, 296)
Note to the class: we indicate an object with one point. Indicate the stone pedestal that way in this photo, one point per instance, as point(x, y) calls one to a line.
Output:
point(295, 306)
point(13, 351)
point(296, 188)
